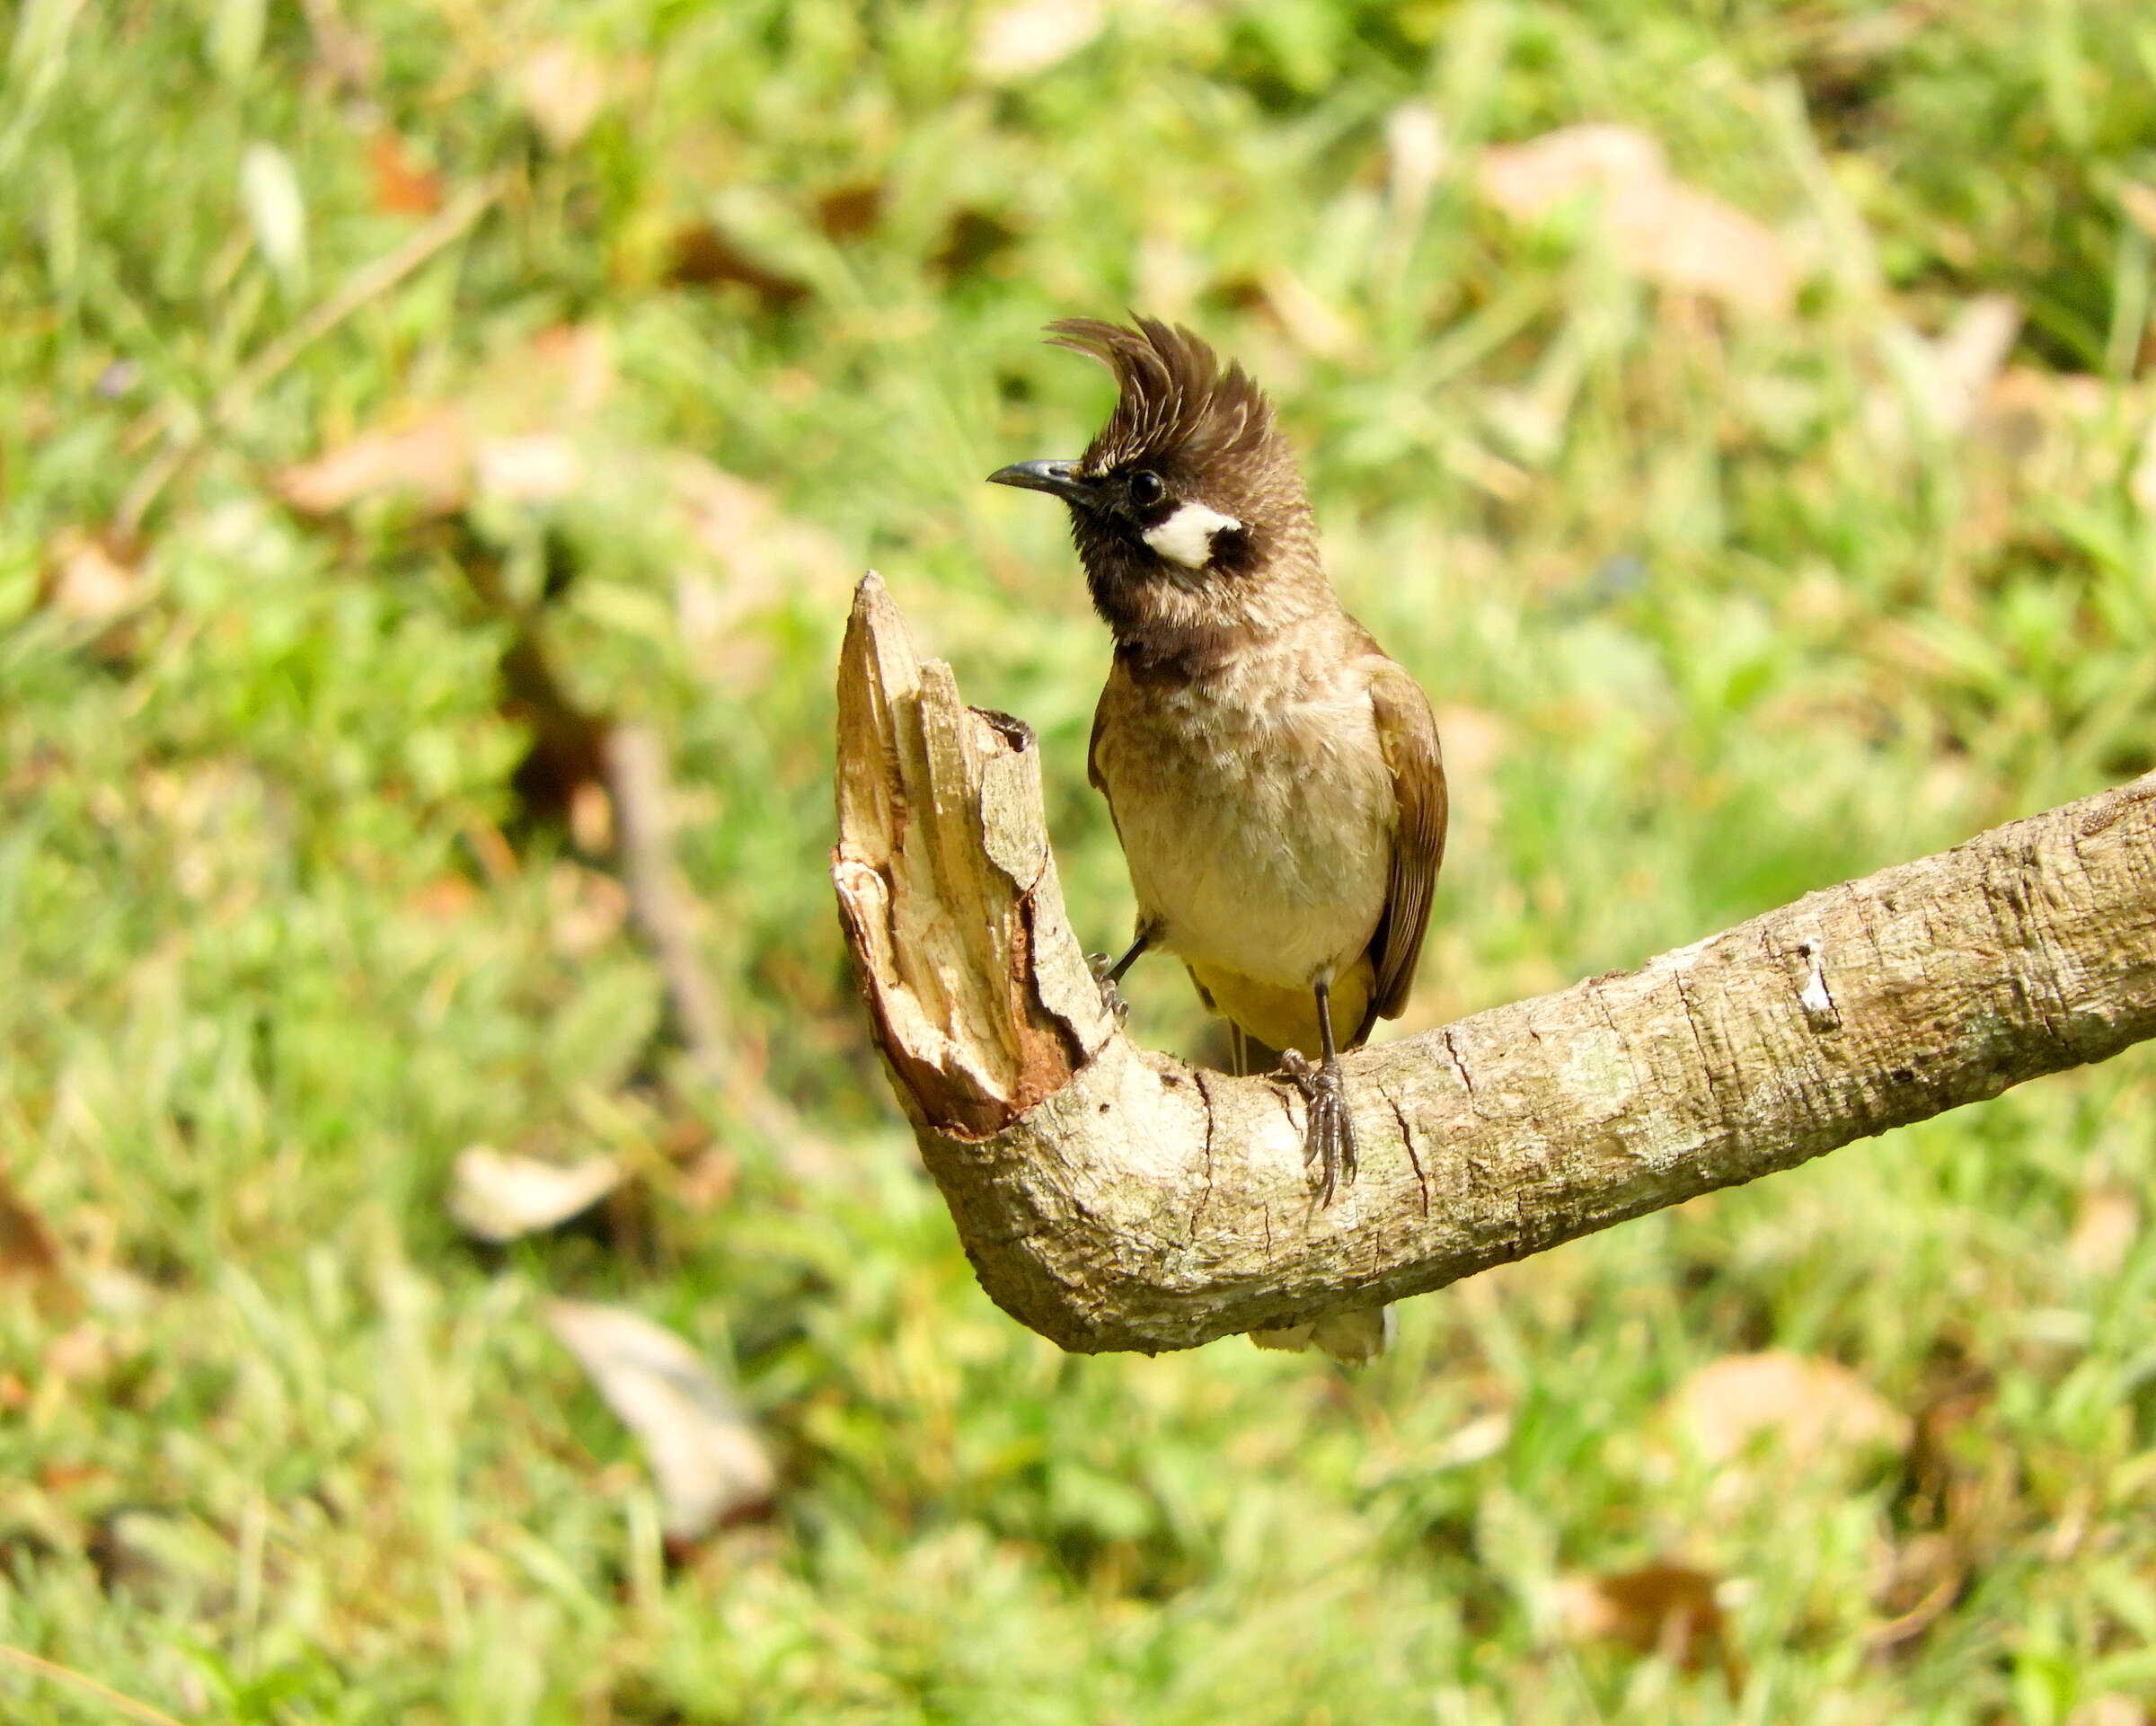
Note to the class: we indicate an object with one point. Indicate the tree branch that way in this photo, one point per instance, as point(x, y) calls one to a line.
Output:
point(1112, 1198)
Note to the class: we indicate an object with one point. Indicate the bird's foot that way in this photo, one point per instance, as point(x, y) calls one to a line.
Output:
point(1330, 1141)
point(1111, 998)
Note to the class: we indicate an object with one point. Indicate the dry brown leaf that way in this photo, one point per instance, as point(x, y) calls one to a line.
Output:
point(1669, 231)
point(704, 256)
point(444, 897)
point(28, 1252)
point(709, 1461)
point(1941, 388)
point(1802, 1410)
point(428, 460)
point(972, 240)
point(497, 1198)
point(2110, 1709)
point(1664, 1609)
point(90, 581)
point(591, 818)
point(708, 1182)
point(539, 467)
point(511, 434)
point(564, 89)
point(1923, 1578)
point(1528, 181)
point(569, 370)
point(1017, 41)
point(1477, 1441)
point(77, 1355)
point(584, 909)
point(2105, 1228)
point(849, 211)
point(403, 186)
point(1967, 359)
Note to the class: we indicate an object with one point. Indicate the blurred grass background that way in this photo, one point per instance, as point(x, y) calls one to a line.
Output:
point(1725, 589)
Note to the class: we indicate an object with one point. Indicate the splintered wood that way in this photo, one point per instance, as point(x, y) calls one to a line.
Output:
point(1112, 1198)
point(981, 995)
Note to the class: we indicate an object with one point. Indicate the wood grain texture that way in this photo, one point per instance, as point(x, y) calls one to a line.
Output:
point(1113, 1197)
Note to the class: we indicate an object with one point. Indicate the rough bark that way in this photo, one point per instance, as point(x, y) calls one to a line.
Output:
point(1114, 1197)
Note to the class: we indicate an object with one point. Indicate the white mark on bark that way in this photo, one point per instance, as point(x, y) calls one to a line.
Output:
point(1818, 1004)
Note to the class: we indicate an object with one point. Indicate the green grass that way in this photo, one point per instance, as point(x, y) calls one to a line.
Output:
point(1711, 620)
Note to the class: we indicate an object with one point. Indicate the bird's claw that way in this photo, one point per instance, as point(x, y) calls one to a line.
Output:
point(1111, 998)
point(1330, 1140)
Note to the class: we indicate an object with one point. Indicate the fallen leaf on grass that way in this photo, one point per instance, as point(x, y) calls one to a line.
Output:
point(708, 1182)
point(705, 256)
point(428, 460)
point(710, 1464)
point(403, 186)
point(1940, 386)
point(974, 240)
point(2105, 1229)
point(563, 88)
point(584, 909)
point(497, 1198)
point(1671, 233)
point(444, 898)
point(540, 467)
point(2109, 1709)
point(28, 1252)
point(1479, 1441)
point(1967, 360)
point(511, 435)
point(1804, 1411)
point(1668, 1610)
point(90, 582)
point(591, 816)
point(1018, 41)
point(849, 211)
point(1923, 1577)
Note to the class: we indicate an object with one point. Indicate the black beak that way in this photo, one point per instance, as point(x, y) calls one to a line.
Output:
point(1058, 478)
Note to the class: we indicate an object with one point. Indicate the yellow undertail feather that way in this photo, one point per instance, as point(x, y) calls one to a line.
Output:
point(1288, 1018)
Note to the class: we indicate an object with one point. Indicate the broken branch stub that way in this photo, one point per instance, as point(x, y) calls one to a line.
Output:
point(1113, 1197)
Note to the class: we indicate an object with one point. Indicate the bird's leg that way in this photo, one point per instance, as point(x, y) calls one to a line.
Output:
point(1331, 1142)
point(1107, 976)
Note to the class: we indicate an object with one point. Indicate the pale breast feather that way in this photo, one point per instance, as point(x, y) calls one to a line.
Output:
point(1257, 831)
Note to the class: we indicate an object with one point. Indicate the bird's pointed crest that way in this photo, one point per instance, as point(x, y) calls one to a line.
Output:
point(1175, 403)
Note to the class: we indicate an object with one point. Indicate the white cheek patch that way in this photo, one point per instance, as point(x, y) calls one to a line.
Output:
point(1186, 537)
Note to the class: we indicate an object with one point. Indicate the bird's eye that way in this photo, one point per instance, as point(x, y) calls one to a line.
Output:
point(1147, 489)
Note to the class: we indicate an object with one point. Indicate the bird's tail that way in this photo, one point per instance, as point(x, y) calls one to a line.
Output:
point(1352, 1339)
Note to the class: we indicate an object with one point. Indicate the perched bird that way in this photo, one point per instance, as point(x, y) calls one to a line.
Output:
point(1274, 777)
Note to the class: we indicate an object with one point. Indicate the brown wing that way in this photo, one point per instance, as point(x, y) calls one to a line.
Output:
point(1409, 736)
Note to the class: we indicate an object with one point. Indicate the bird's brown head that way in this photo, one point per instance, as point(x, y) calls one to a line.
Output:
point(1186, 507)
